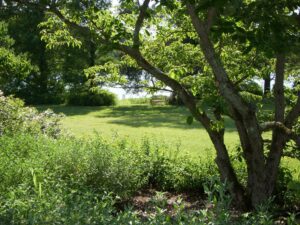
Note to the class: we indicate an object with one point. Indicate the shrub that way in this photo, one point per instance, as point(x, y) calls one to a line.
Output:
point(15, 117)
point(92, 97)
point(167, 170)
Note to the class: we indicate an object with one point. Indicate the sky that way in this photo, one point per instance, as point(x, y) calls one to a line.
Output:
point(121, 93)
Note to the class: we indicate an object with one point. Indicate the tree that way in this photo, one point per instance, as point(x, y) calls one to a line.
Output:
point(154, 35)
point(13, 68)
point(57, 71)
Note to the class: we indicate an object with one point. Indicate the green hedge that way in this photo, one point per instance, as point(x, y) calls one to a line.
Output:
point(92, 97)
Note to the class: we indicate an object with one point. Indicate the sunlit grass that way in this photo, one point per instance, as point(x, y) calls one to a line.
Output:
point(163, 123)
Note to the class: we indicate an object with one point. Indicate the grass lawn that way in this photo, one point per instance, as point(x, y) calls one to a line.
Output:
point(166, 124)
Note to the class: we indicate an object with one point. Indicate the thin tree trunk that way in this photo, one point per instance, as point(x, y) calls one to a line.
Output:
point(267, 84)
point(92, 53)
point(227, 172)
point(279, 89)
point(43, 68)
point(278, 138)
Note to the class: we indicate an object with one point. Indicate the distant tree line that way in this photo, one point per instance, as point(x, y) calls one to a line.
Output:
point(37, 74)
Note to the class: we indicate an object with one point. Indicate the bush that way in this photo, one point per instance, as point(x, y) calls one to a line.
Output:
point(15, 117)
point(92, 97)
point(169, 171)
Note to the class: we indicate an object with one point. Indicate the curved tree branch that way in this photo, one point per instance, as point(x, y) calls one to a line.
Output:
point(139, 23)
point(267, 126)
point(69, 23)
point(185, 95)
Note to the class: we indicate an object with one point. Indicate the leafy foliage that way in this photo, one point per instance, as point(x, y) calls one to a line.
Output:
point(15, 118)
point(14, 68)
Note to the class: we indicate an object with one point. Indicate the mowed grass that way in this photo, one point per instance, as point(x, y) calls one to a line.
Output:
point(164, 124)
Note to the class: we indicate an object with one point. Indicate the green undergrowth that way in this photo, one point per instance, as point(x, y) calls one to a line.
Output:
point(69, 180)
point(46, 179)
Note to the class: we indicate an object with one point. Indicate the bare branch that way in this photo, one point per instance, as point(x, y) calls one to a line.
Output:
point(278, 125)
point(139, 24)
point(267, 126)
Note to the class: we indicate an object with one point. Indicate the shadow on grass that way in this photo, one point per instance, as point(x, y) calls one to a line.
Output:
point(72, 110)
point(157, 116)
point(137, 115)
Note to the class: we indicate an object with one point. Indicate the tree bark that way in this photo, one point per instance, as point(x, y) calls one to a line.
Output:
point(279, 88)
point(255, 180)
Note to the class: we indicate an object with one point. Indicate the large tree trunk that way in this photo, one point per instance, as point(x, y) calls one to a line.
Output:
point(256, 174)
